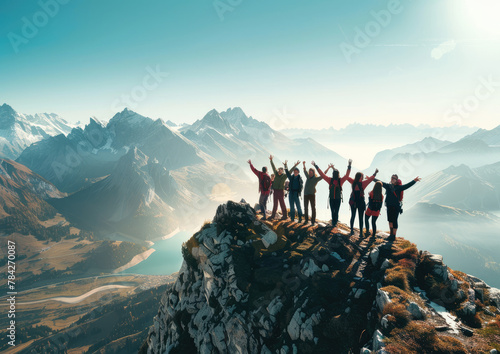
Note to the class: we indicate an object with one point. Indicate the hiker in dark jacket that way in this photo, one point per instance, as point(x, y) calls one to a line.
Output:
point(375, 200)
point(357, 199)
point(264, 187)
point(393, 199)
point(335, 184)
point(310, 193)
point(295, 190)
point(278, 187)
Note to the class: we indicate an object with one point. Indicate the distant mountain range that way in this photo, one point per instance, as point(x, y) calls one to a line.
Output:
point(154, 174)
point(431, 155)
point(461, 187)
point(234, 137)
point(375, 133)
point(18, 131)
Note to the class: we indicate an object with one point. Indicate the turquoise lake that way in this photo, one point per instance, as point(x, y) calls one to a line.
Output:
point(167, 258)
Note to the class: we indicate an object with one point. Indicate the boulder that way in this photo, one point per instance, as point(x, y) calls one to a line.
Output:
point(382, 299)
point(378, 340)
point(416, 311)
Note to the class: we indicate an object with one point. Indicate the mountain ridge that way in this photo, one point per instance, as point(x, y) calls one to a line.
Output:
point(262, 287)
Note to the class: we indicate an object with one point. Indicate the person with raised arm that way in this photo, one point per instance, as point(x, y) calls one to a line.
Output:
point(357, 199)
point(310, 193)
point(278, 187)
point(375, 200)
point(295, 190)
point(264, 187)
point(335, 185)
point(393, 200)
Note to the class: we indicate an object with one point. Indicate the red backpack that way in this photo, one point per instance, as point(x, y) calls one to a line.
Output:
point(266, 183)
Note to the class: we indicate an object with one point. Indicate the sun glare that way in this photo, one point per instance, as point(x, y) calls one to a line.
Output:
point(485, 15)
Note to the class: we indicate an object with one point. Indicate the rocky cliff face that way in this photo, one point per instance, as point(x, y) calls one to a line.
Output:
point(248, 286)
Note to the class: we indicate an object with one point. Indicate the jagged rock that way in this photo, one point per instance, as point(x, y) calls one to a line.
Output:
point(293, 328)
point(310, 268)
point(436, 258)
point(382, 299)
point(439, 268)
point(493, 351)
point(494, 296)
point(385, 323)
point(359, 293)
point(235, 297)
point(374, 254)
point(378, 341)
point(478, 283)
point(269, 238)
point(467, 331)
point(488, 312)
point(337, 256)
point(385, 264)
point(454, 285)
point(416, 311)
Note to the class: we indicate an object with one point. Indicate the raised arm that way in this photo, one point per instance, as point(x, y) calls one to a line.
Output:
point(408, 185)
point(347, 174)
point(325, 177)
point(272, 165)
point(305, 170)
point(288, 174)
point(254, 170)
point(369, 180)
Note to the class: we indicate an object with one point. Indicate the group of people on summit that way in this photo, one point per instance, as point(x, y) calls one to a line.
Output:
point(283, 180)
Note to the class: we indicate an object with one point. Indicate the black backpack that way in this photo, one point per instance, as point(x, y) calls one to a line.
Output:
point(266, 183)
point(375, 205)
point(301, 184)
point(335, 190)
point(357, 196)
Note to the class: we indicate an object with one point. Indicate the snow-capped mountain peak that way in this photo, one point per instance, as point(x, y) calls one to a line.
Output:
point(18, 131)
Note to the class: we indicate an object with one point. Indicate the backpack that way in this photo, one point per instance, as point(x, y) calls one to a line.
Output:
point(373, 204)
point(357, 196)
point(266, 183)
point(335, 190)
point(301, 184)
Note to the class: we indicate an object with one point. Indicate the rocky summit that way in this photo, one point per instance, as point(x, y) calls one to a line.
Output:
point(252, 286)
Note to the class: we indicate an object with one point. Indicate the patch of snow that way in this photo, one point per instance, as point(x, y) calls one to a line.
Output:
point(448, 317)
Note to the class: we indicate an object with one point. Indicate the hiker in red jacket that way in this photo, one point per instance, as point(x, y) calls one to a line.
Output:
point(375, 200)
point(264, 187)
point(357, 199)
point(335, 183)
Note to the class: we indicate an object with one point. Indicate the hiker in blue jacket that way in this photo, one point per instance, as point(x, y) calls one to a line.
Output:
point(295, 190)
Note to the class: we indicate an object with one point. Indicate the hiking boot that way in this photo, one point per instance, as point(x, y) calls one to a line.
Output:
point(352, 233)
point(263, 218)
point(391, 238)
point(283, 218)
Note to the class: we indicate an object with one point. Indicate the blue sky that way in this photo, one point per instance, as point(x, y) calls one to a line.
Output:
point(431, 61)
